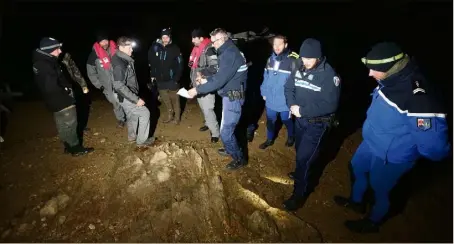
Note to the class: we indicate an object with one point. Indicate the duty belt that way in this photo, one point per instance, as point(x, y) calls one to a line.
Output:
point(330, 119)
point(235, 95)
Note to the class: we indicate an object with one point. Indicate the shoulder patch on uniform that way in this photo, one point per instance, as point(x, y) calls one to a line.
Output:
point(336, 80)
point(424, 123)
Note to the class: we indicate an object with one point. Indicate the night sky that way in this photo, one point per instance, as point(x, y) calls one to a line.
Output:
point(346, 29)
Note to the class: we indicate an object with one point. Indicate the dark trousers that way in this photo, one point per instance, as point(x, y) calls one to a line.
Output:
point(66, 121)
point(231, 114)
point(271, 118)
point(383, 176)
point(308, 138)
point(172, 102)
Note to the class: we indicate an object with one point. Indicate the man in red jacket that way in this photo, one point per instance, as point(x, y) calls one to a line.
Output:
point(203, 63)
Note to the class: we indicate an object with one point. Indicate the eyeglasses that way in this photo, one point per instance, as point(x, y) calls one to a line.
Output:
point(216, 40)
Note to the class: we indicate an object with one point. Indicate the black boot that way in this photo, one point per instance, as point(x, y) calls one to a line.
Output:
point(203, 128)
point(362, 226)
point(214, 139)
point(222, 152)
point(294, 202)
point(67, 148)
point(236, 164)
point(250, 137)
point(290, 141)
point(266, 144)
point(291, 175)
point(80, 150)
point(348, 203)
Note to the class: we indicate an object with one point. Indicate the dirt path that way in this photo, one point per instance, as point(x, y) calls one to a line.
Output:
point(179, 191)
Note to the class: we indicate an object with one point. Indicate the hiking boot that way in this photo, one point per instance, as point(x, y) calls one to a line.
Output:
point(362, 226)
point(222, 152)
point(266, 144)
point(250, 137)
point(236, 164)
point(203, 128)
point(170, 117)
point(290, 141)
point(348, 203)
point(80, 150)
point(294, 202)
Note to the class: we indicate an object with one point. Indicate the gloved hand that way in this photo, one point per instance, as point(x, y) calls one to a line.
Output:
point(190, 64)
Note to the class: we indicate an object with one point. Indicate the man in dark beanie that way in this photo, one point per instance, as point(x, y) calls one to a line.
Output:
point(166, 67)
point(312, 93)
point(203, 62)
point(57, 94)
point(404, 123)
point(99, 71)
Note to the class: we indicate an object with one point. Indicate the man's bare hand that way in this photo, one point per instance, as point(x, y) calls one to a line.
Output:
point(295, 109)
point(140, 103)
point(85, 90)
point(192, 93)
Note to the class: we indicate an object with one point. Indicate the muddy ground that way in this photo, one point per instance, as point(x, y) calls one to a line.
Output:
point(178, 191)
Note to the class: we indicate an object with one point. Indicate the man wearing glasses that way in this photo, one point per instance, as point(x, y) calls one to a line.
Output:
point(230, 83)
point(126, 91)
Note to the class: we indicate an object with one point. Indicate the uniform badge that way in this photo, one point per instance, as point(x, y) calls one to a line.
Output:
point(336, 81)
point(424, 123)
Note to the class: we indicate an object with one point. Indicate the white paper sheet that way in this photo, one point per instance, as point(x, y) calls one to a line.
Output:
point(184, 93)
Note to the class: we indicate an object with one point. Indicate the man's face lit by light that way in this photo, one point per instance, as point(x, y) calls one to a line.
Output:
point(217, 40)
point(309, 63)
point(377, 75)
point(279, 45)
point(197, 40)
point(104, 44)
point(165, 39)
point(127, 48)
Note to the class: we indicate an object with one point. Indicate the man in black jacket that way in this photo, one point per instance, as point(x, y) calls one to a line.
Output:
point(57, 94)
point(166, 66)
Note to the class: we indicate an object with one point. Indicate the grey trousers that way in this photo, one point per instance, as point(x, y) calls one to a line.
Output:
point(137, 120)
point(118, 110)
point(66, 121)
point(206, 103)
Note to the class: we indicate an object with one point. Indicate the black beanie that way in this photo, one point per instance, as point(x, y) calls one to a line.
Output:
point(166, 32)
point(380, 51)
point(101, 36)
point(311, 48)
point(49, 44)
point(198, 33)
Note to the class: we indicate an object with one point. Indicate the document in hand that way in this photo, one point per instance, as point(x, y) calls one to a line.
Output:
point(184, 93)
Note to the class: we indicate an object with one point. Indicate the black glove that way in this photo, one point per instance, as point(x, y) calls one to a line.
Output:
point(101, 88)
point(190, 64)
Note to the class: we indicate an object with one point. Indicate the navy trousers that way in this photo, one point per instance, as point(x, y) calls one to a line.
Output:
point(308, 137)
point(271, 117)
point(383, 176)
point(231, 114)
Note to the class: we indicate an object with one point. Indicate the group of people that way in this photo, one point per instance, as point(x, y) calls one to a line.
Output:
point(404, 121)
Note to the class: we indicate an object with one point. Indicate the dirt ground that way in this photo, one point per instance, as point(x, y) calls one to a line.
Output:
point(178, 191)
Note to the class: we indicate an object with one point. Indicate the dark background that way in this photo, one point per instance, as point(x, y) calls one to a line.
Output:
point(346, 29)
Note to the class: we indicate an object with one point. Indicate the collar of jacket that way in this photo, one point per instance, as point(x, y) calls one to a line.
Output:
point(123, 55)
point(399, 72)
point(224, 46)
point(280, 56)
point(45, 54)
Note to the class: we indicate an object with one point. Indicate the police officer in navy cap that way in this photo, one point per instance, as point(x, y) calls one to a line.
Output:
point(312, 94)
point(404, 123)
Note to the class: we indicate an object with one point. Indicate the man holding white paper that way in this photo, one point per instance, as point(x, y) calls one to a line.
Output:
point(230, 83)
